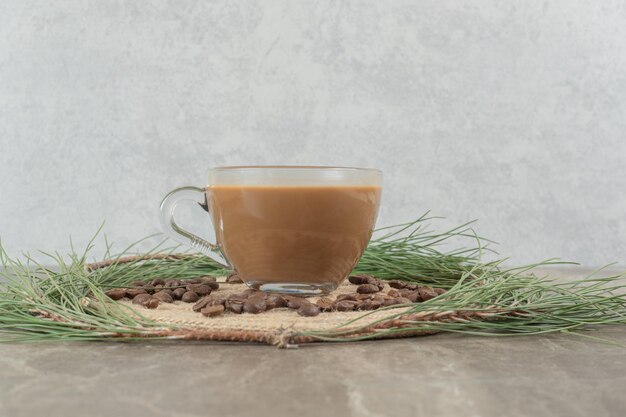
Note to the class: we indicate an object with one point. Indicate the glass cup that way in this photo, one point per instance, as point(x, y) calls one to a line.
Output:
point(288, 229)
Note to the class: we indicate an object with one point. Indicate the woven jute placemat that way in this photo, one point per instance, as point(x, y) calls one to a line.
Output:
point(284, 327)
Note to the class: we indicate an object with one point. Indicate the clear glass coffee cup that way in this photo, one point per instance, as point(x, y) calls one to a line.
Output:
point(288, 229)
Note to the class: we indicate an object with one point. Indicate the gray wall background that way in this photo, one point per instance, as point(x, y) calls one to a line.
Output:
point(513, 113)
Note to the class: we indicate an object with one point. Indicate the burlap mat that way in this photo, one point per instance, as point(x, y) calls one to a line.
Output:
point(280, 326)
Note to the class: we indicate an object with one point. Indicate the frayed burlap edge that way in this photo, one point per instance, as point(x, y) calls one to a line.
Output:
point(288, 338)
point(282, 338)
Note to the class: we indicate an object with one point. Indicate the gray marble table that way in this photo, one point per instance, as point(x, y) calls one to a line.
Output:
point(440, 375)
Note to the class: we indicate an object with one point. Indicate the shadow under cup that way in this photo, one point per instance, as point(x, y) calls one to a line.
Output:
point(286, 229)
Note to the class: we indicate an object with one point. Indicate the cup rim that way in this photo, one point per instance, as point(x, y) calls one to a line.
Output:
point(293, 175)
point(293, 168)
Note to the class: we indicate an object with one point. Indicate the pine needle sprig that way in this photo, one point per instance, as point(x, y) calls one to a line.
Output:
point(504, 305)
point(67, 301)
point(411, 252)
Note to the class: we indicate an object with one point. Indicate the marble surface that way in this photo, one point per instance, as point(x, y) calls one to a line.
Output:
point(505, 111)
point(440, 375)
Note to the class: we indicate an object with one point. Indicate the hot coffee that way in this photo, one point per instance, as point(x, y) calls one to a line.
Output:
point(293, 234)
point(286, 229)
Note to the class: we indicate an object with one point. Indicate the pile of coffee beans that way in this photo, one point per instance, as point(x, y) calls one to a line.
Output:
point(399, 289)
point(369, 295)
point(151, 294)
point(254, 302)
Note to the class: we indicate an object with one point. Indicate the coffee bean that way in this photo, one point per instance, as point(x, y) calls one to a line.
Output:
point(294, 302)
point(439, 291)
point(200, 289)
point(116, 293)
point(158, 287)
point(371, 280)
point(151, 303)
point(203, 302)
point(137, 284)
point(258, 294)
point(395, 301)
point(393, 293)
point(426, 293)
point(192, 281)
point(345, 305)
point(308, 310)
point(234, 279)
point(236, 308)
point(141, 298)
point(379, 297)
point(212, 285)
point(369, 305)
point(348, 297)
point(168, 292)
point(361, 297)
point(412, 287)
point(178, 293)
point(391, 301)
point(212, 311)
point(163, 297)
point(380, 285)
point(254, 305)
point(325, 304)
point(157, 281)
point(397, 284)
point(207, 278)
point(237, 297)
point(132, 292)
point(189, 297)
point(171, 283)
point(413, 296)
point(275, 301)
point(249, 291)
point(359, 279)
point(367, 289)
point(217, 301)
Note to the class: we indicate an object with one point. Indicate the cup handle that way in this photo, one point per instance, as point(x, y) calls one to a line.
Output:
point(174, 231)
